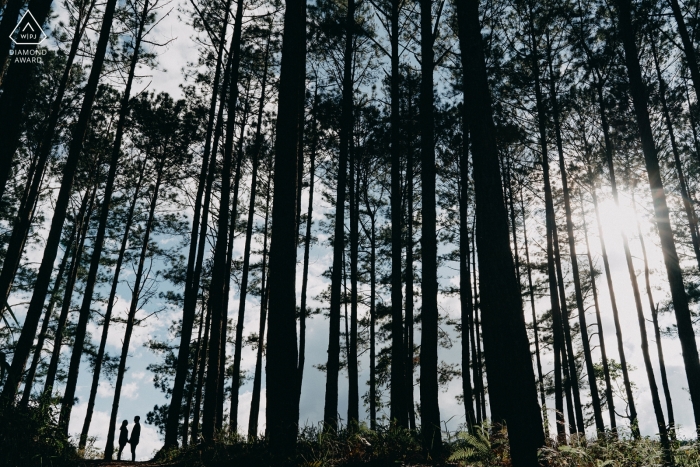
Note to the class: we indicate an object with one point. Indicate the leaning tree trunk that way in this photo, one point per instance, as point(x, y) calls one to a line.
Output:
point(85, 311)
point(688, 46)
point(599, 323)
point(85, 211)
point(505, 338)
point(330, 410)
point(657, 331)
point(192, 287)
point(133, 308)
point(679, 297)
point(583, 329)
point(108, 314)
point(606, 263)
point(29, 379)
point(281, 369)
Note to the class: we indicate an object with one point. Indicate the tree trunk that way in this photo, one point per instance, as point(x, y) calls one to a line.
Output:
point(25, 214)
point(282, 410)
point(465, 286)
point(558, 395)
point(606, 263)
point(264, 292)
point(29, 379)
point(599, 323)
point(588, 358)
point(330, 410)
point(200, 377)
point(246, 251)
point(396, 398)
point(505, 337)
point(218, 286)
point(410, 366)
point(191, 287)
point(193, 382)
point(133, 308)
point(307, 247)
point(354, 202)
point(657, 331)
point(85, 311)
point(84, 219)
point(638, 92)
point(108, 313)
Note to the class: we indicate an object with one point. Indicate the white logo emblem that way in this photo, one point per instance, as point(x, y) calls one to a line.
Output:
point(28, 31)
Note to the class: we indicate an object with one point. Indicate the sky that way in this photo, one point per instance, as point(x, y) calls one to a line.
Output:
point(139, 395)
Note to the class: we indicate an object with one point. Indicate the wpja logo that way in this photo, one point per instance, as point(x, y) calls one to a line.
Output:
point(28, 32)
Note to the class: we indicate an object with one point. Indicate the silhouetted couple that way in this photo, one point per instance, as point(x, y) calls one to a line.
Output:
point(124, 437)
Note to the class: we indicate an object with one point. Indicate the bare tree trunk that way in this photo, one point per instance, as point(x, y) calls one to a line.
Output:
point(559, 404)
point(465, 286)
point(410, 347)
point(282, 410)
point(688, 46)
point(307, 248)
point(330, 410)
point(638, 92)
point(257, 379)
point(133, 308)
point(505, 337)
point(396, 398)
point(354, 204)
point(193, 382)
point(200, 377)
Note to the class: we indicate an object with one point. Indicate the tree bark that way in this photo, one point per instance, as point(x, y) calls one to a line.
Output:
point(200, 377)
point(505, 337)
point(354, 203)
point(281, 368)
point(193, 382)
point(638, 92)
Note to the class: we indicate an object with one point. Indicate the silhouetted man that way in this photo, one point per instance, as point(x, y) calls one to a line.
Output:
point(123, 438)
point(135, 435)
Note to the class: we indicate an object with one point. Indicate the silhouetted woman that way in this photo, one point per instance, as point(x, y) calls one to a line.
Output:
point(123, 438)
